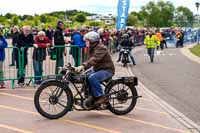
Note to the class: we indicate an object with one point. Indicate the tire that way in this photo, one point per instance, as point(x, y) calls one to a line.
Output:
point(133, 102)
point(125, 60)
point(64, 89)
point(125, 64)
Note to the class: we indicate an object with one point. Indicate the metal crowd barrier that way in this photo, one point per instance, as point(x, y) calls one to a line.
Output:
point(68, 54)
point(10, 72)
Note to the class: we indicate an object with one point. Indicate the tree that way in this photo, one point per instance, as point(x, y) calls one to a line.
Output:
point(157, 14)
point(93, 23)
point(183, 17)
point(26, 17)
point(3, 20)
point(43, 18)
point(81, 18)
point(15, 20)
point(36, 21)
point(132, 20)
point(8, 15)
point(166, 13)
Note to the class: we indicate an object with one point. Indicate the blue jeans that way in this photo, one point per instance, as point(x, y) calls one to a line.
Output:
point(38, 69)
point(95, 80)
point(150, 52)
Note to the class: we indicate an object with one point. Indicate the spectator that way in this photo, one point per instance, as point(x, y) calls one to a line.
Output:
point(182, 38)
point(59, 41)
point(39, 54)
point(106, 37)
point(178, 39)
point(49, 33)
point(164, 39)
point(3, 45)
point(25, 40)
point(77, 40)
point(160, 38)
point(14, 43)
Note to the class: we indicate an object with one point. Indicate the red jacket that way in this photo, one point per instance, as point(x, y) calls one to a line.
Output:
point(42, 43)
point(40, 52)
point(107, 36)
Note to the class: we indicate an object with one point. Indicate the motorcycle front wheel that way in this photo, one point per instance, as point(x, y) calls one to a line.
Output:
point(53, 100)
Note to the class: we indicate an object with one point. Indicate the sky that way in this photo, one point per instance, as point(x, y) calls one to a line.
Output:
point(32, 7)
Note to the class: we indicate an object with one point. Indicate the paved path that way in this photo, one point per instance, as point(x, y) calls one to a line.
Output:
point(18, 114)
point(174, 78)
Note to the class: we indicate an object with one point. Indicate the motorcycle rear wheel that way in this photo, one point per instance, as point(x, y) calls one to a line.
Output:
point(122, 95)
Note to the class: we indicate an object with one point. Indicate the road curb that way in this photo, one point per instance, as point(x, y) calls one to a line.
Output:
point(186, 52)
point(175, 114)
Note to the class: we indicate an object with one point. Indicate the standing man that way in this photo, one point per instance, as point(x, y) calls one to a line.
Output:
point(178, 39)
point(151, 42)
point(77, 40)
point(60, 42)
point(14, 43)
point(160, 38)
point(49, 33)
point(164, 42)
point(25, 40)
point(182, 38)
point(3, 45)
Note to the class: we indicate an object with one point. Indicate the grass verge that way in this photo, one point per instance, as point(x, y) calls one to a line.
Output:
point(196, 50)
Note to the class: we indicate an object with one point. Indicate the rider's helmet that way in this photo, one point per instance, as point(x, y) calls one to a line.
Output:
point(126, 36)
point(92, 37)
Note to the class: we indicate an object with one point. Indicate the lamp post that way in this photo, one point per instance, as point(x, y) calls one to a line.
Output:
point(197, 5)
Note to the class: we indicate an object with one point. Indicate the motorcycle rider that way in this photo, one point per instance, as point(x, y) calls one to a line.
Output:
point(103, 66)
point(127, 42)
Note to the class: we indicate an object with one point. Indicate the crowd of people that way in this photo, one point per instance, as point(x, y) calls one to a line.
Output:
point(52, 41)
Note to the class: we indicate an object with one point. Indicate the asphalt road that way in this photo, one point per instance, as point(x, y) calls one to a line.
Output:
point(174, 78)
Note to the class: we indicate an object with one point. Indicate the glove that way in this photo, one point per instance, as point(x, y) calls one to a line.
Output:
point(79, 69)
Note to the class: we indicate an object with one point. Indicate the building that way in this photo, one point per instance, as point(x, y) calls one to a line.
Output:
point(108, 19)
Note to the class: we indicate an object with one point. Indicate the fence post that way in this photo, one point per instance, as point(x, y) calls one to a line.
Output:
point(13, 84)
point(79, 56)
point(21, 65)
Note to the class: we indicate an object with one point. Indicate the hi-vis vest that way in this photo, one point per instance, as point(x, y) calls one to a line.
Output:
point(159, 36)
point(152, 42)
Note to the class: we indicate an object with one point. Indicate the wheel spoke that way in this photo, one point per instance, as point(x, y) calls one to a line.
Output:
point(120, 97)
point(59, 106)
point(52, 100)
point(50, 89)
point(62, 105)
point(45, 103)
point(54, 108)
point(49, 107)
point(47, 93)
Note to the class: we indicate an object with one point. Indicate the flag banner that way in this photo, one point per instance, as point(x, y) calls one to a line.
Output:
point(122, 14)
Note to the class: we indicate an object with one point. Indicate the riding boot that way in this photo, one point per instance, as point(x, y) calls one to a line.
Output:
point(101, 100)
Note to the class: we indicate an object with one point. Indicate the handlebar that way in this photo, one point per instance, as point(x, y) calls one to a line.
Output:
point(71, 69)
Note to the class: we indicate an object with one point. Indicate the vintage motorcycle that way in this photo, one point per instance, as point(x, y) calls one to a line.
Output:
point(125, 55)
point(70, 91)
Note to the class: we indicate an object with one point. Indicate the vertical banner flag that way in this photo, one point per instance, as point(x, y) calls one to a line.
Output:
point(122, 13)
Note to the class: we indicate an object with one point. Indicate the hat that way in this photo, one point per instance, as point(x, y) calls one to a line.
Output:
point(60, 22)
